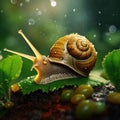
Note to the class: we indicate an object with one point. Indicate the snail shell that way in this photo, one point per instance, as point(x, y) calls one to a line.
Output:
point(71, 56)
point(74, 51)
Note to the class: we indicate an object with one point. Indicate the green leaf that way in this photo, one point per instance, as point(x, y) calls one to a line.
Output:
point(10, 69)
point(111, 64)
point(28, 85)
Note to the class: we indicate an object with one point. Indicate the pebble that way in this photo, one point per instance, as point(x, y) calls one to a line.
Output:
point(101, 94)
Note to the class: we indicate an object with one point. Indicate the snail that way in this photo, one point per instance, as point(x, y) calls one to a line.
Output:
point(71, 56)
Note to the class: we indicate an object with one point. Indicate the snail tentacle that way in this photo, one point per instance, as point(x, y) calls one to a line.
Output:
point(32, 58)
point(36, 52)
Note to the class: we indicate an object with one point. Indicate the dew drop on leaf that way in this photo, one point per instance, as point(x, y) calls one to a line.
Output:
point(54, 88)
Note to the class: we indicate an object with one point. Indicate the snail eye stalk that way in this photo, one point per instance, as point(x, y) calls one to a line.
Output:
point(32, 58)
point(36, 52)
point(37, 57)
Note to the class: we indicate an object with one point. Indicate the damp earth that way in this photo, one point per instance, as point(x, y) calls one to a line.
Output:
point(48, 106)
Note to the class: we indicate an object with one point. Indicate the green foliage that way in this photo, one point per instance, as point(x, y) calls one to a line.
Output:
point(10, 69)
point(28, 85)
point(111, 64)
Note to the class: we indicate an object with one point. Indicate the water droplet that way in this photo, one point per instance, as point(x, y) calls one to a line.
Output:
point(54, 88)
point(1, 57)
point(110, 39)
point(27, 0)
point(28, 78)
point(99, 12)
point(39, 12)
point(37, 9)
point(1, 11)
point(74, 10)
point(13, 1)
point(30, 82)
point(112, 29)
point(85, 68)
point(107, 34)
point(53, 3)
point(21, 4)
point(65, 15)
point(99, 24)
point(94, 35)
point(31, 21)
point(83, 43)
point(45, 62)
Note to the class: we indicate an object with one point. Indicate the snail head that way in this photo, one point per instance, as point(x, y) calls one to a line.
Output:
point(38, 59)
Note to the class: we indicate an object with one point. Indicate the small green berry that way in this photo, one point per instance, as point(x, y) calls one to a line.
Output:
point(114, 97)
point(77, 98)
point(87, 90)
point(85, 109)
point(66, 95)
point(100, 107)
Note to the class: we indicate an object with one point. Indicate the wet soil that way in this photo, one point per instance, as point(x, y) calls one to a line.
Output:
point(48, 106)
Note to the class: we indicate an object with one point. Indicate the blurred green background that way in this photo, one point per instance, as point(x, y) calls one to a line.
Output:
point(44, 21)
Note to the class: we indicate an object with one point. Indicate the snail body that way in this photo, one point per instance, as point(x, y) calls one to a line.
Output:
point(71, 56)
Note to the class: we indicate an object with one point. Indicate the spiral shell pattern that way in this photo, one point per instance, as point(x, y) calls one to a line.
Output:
point(74, 51)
